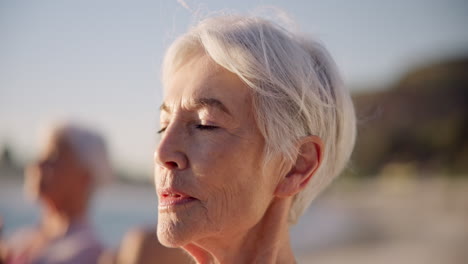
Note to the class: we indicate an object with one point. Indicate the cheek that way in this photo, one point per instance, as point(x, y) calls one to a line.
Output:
point(237, 205)
point(44, 179)
point(32, 185)
point(218, 166)
point(220, 155)
point(59, 182)
point(231, 178)
point(231, 199)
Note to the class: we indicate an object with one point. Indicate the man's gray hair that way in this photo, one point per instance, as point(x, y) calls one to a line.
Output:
point(296, 88)
point(89, 146)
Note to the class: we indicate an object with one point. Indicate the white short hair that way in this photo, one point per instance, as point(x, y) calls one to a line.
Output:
point(297, 89)
point(89, 146)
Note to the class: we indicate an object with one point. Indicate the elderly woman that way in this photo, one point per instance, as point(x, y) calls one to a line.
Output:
point(72, 164)
point(255, 123)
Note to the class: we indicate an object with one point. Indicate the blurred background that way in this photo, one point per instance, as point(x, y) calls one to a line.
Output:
point(404, 197)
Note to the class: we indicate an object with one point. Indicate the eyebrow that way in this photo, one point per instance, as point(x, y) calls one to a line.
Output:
point(201, 103)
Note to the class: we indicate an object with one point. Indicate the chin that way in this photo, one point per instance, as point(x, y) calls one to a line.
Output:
point(174, 232)
point(182, 224)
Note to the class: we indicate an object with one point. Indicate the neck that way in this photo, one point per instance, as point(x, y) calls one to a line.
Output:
point(266, 242)
point(55, 221)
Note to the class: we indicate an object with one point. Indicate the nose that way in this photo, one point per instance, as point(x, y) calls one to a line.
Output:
point(170, 153)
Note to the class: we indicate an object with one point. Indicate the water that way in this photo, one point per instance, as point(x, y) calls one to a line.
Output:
point(116, 209)
point(120, 207)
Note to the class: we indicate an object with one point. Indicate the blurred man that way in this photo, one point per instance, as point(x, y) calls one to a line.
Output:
point(73, 162)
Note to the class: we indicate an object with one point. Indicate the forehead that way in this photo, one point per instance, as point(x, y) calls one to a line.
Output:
point(57, 144)
point(201, 77)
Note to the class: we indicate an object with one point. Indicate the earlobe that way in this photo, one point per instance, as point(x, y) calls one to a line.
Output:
point(307, 162)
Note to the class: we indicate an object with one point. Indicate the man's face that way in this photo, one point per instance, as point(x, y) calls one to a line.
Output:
point(208, 172)
point(57, 176)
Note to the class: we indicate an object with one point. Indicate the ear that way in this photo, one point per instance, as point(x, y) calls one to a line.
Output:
point(307, 162)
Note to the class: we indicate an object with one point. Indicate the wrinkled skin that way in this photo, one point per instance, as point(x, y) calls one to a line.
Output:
point(211, 155)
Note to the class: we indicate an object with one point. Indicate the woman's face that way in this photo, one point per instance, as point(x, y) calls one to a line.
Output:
point(208, 172)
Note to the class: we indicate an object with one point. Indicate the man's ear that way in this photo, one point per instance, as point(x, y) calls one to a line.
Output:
point(307, 162)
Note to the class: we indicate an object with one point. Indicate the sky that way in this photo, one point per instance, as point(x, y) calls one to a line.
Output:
point(98, 62)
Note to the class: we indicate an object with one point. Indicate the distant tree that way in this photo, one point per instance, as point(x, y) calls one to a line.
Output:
point(6, 160)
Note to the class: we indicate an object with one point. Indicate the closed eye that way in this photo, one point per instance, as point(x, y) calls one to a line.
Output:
point(206, 127)
point(200, 127)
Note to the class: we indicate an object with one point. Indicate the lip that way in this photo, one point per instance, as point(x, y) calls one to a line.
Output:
point(171, 197)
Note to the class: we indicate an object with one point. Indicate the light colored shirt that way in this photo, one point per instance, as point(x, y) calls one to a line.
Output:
point(78, 245)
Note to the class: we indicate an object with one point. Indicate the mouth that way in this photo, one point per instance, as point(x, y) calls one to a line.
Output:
point(171, 198)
